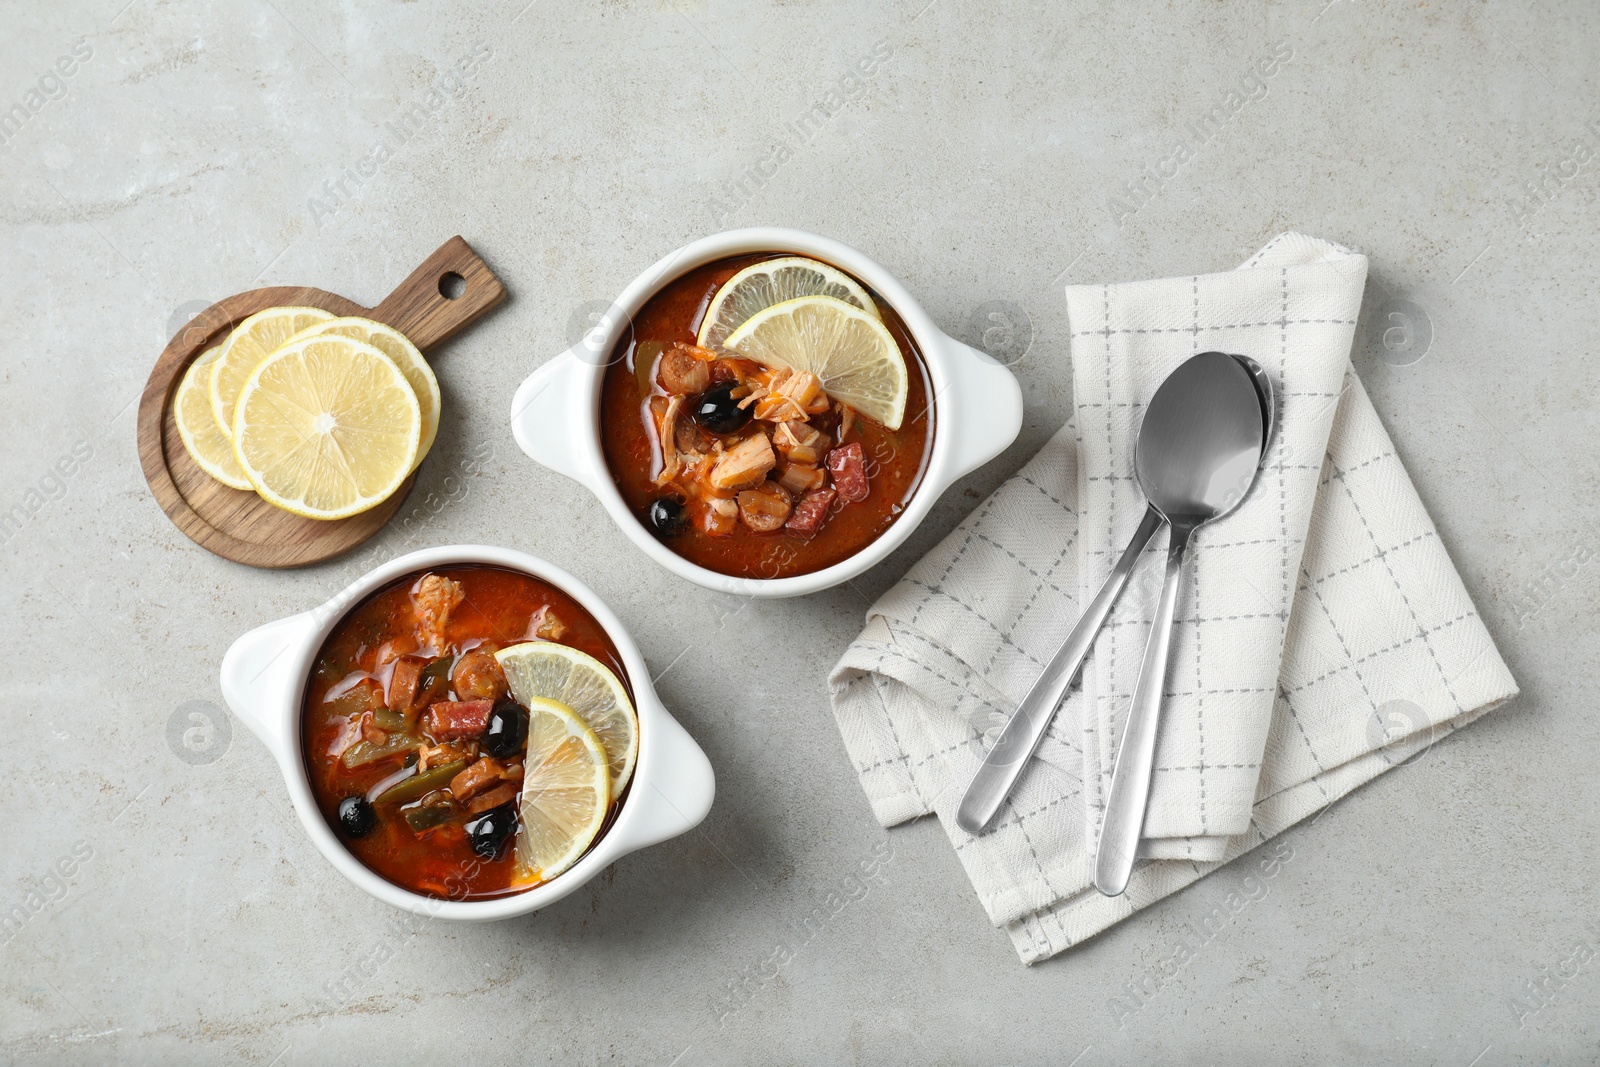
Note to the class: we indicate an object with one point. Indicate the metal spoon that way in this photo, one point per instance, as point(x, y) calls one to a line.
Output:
point(1022, 733)
point(1199, 449)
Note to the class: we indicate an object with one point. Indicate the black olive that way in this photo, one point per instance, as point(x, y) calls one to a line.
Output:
point(718, 411)
point(668, 517)
point(507, 731)
point(356, 816)
point(489, 831)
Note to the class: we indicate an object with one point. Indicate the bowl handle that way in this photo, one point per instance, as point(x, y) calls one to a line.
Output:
point(985, 404)
point(549, 416)
point(678, 786)
point(259, 678)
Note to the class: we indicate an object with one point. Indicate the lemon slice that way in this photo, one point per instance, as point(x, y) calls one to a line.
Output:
point(566, 790)
point(850, 352)
point(252, 341)
point(327, 427)
point(773, 281)
point(398, 347)
point(544, 669)
point(204, 440)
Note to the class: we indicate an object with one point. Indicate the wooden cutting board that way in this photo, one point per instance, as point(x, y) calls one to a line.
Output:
point(452, 289)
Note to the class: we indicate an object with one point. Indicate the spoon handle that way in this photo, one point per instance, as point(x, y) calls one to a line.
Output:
point(1130, 778)
point(1021, 735)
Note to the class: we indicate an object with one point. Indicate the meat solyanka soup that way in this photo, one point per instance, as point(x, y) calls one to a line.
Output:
point(468, 732)
point(766, 416)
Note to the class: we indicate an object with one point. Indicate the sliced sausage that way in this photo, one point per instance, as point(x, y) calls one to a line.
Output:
point(482, 774)
point(449, 720)
point(403, 682)
point(765, 507)
point(810, 513)
point(849, 470)
point(500, 794)
point(478, 676)
point(682, 372)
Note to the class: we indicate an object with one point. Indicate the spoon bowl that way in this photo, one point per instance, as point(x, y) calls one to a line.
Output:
point(1201, 439)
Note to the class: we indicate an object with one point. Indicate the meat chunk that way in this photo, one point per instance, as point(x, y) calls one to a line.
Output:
point(799, 442)
point(451, 720)
point(775, 407)
point(805, 390)
point(667, 432)
point(434, 598)
point(792, 397)
point(849, 469)
point(722, 515)
point(682, 372)
point(403, 682)
point(746, 463)
point(478, 676)
point(810, 513)
point(765, 507)
point(482, 774)
point(798, 479)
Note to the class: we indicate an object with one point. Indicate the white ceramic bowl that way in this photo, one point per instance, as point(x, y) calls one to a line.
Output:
point(264, 676)
point(555, 415)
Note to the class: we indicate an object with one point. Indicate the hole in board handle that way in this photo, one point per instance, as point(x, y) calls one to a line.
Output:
point(452, 286)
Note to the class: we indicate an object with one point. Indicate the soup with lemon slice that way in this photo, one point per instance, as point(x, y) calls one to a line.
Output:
point(469, 732)
point(766, 416)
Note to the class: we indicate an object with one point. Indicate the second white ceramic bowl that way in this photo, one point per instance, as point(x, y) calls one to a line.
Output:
point(977, 405)
point(264, 678)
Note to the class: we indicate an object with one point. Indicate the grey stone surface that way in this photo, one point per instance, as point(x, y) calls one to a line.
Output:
point(1446, 914)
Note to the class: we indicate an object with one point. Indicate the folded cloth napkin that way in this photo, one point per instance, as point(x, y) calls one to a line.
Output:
point(1323, 634)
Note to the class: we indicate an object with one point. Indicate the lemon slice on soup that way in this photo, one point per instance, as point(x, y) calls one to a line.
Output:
point(398, 347)
point(773, 281)
point(202, 438)
point(546, 670)
point(327, 427)
point(252, 341)
point(851, 352)
point(566, 790)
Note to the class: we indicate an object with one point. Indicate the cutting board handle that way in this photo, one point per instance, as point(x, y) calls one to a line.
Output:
point(451, 289)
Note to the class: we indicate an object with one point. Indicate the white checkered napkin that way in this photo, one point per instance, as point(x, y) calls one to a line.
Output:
point(1381, 651)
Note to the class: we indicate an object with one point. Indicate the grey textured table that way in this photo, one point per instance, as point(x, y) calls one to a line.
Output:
point(182, 151)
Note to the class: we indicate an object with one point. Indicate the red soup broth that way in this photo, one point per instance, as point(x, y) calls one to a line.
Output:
point(895, 459)
point(500, 606)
